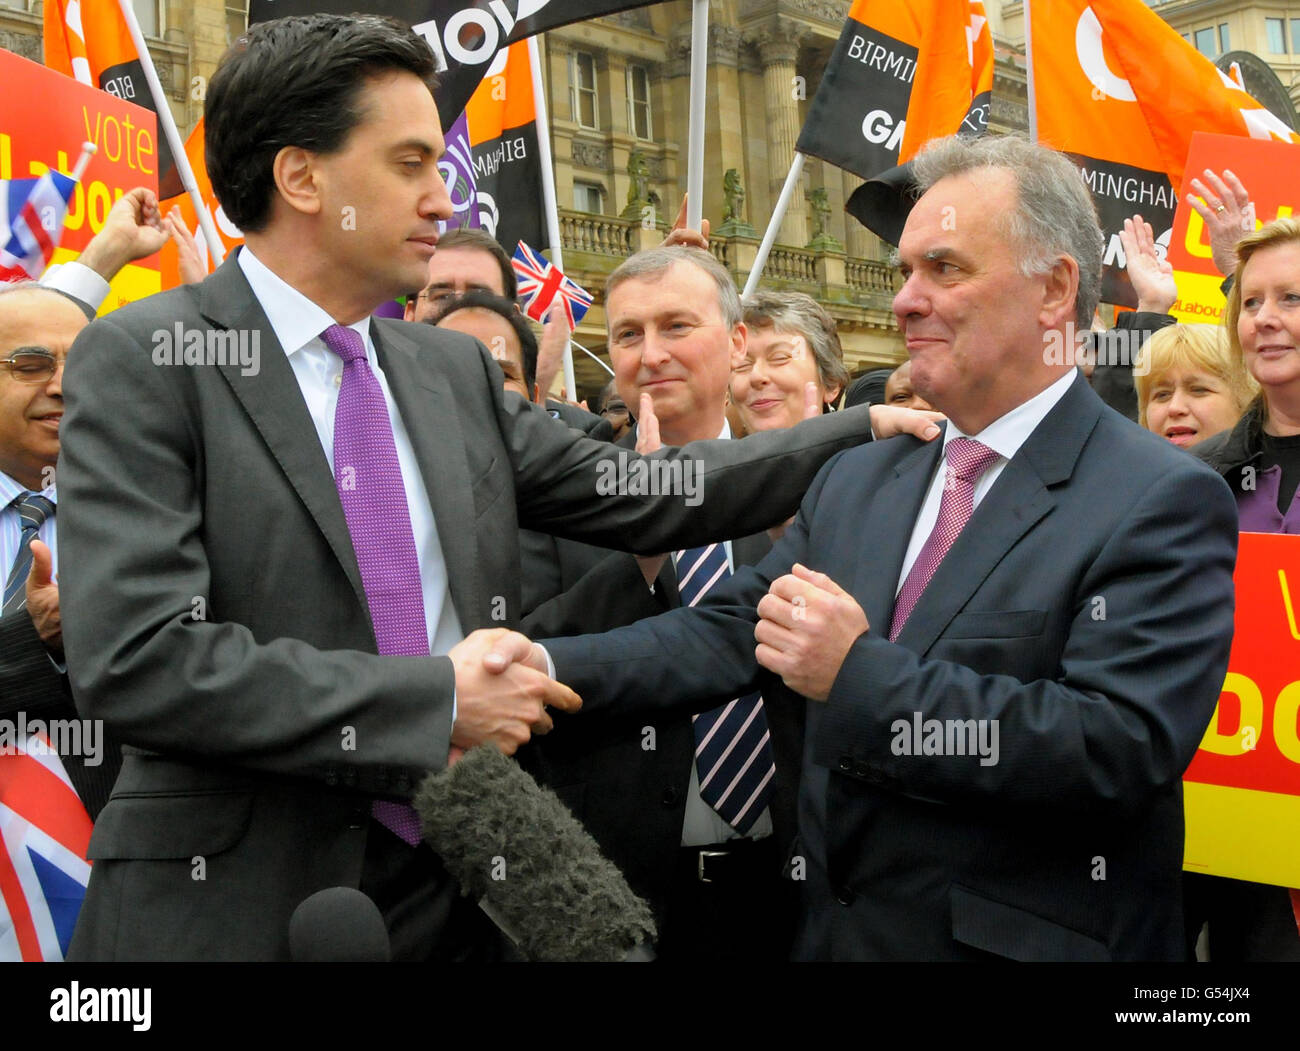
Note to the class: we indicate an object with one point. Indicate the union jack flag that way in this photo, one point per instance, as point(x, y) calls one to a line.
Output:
point(44, 833)
point(540, 282)
point(31, 222)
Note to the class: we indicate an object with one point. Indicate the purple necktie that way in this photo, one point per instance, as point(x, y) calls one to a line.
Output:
point(369, 480)
point(967, 460)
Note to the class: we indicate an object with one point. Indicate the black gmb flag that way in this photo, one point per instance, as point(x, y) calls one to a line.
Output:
point(901, 74)
point(465, 37)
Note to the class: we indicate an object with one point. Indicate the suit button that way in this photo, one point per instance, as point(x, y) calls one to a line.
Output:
point(844, 896)
point(846, 765)
point(350, 778)
point(671, 796)
point(332, 778)
point(403, 783)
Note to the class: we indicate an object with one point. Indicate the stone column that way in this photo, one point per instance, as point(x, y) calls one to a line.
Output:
point(778, 47)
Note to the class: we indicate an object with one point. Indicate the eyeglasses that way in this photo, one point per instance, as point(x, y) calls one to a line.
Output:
point(32, 365)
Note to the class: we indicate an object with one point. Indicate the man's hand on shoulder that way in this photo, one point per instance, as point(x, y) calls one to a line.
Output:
point(503, 691)
point(889, 420)
point(43, 600)
point(807, 625)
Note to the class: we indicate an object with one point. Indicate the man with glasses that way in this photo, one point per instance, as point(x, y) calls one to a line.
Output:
point(37, 326)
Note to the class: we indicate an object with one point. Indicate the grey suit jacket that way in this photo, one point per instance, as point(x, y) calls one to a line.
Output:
point(1085, 612)
point(218, 621)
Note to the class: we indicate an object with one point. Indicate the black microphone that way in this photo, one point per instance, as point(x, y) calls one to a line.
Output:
point(338, 925)
point(533, 868)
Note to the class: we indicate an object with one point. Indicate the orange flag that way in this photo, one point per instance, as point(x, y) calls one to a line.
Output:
point(231, 237)
point(1121, 91)
point(900, 76)
point(89, 40)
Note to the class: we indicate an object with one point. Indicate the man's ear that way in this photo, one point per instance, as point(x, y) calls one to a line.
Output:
point(297, 179)
point(739, 338)
point(832, 394)
point(1060, 288)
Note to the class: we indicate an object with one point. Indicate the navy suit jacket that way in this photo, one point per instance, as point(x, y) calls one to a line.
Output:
point(1086, 609)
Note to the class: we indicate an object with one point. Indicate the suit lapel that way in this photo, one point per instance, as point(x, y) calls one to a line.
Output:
point(421, 387)
point(1018, 500)
point(274, 403)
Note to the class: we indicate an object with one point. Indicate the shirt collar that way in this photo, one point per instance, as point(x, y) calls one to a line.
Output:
point(1009, 432)
point(10, 491)
point(295, 319)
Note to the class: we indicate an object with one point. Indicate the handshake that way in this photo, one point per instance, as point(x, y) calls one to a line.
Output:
point(502, 692)
point(807, 625)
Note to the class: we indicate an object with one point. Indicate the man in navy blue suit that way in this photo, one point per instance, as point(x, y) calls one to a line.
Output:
point(1009, 641)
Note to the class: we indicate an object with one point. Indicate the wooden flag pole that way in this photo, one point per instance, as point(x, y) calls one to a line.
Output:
point(168, 124)
point(695, 134)
point(548, 189)
point(773, 224)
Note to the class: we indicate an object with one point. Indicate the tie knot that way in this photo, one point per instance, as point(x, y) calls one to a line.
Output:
point(33, 509)
point(968, 459)
point(345, 342)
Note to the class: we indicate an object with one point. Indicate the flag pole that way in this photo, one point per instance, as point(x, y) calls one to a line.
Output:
point(1029, 75)
point(594, 357)
point(695, 133)
point(88, 150)
point(168, 124)
point(549, 205)
point(773, 224)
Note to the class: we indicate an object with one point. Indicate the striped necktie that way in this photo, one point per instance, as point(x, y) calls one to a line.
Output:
point(733, 750)
point(33, 510)
point(369, 480)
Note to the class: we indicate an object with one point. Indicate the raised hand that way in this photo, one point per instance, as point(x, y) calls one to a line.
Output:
point(1228, 212)
point(1152, 277)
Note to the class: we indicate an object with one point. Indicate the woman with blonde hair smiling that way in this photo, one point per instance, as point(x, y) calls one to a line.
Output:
point(1190, 386)
point(1260, 459)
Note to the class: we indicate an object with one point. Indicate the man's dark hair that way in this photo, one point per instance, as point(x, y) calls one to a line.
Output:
point(463, 238)
point(480, 299)
point(295, 82)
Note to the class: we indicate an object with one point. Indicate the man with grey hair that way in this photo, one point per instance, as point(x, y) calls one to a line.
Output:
point(1009, 641)
point(696, 813)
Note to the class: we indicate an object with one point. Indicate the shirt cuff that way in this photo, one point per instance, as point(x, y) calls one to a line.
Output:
point(79, 281)
point(550, 664)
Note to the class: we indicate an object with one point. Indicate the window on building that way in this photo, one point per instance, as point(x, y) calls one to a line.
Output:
point(236, 20)
point(638, 101)
point(1205, 42)
point(149, 16)
point(582, 88)
point(1295, 36)
point(1273, 30)
point(1225, 41)
point(588, 197)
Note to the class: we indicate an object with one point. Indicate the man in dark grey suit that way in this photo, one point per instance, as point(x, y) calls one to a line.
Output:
point(262, 489)
point(1009, 661)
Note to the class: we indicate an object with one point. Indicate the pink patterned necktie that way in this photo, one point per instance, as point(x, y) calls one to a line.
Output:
point(967, 461)
point(369, 480)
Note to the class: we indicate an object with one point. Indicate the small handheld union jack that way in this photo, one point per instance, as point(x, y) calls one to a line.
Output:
point(31, 222)
point(540, 282)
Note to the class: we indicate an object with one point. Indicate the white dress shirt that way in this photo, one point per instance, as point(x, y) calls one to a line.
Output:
point(77, 280)
point(1004, 436)
point(11, 526)
point(298, 323)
